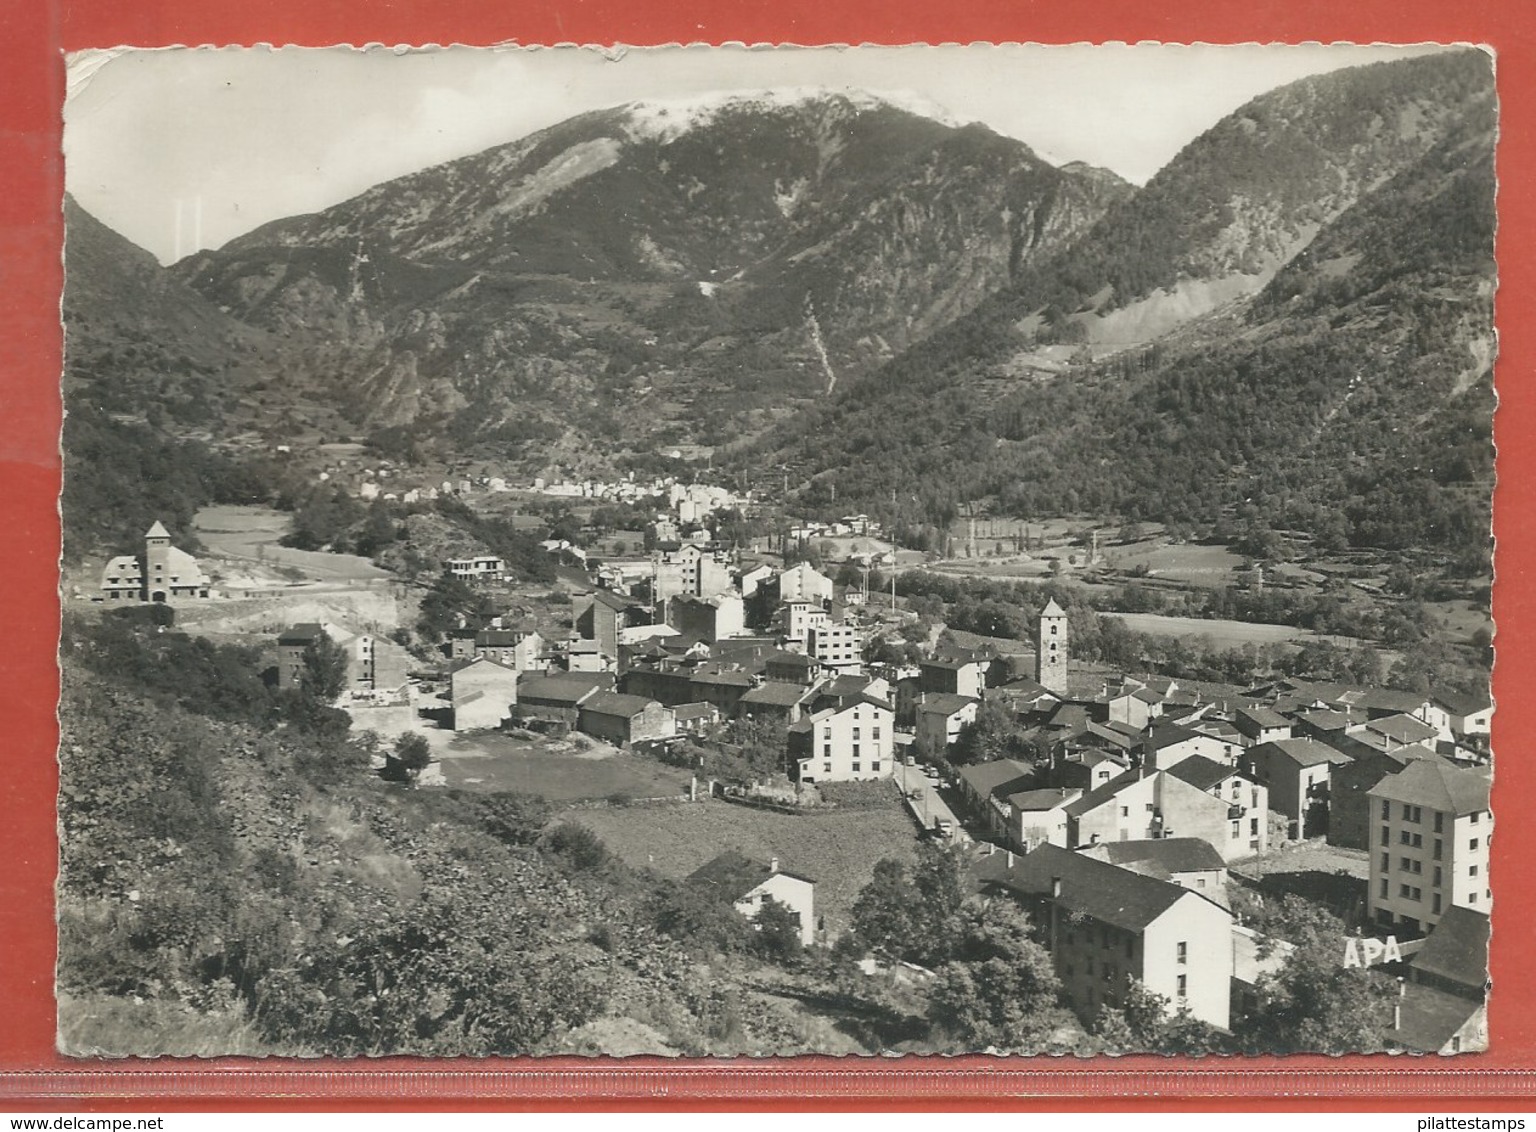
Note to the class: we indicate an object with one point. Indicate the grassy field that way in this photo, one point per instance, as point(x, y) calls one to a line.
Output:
point(1223, 634)
point(251, 534)
point(1191, 563)
point(500, 763)
point(837, 850)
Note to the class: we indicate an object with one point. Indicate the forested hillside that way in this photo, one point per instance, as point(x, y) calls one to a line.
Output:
point(1350, 398)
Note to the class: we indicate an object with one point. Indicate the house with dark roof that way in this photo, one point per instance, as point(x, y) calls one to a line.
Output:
point(556, 700)
point(1168, 744)
point(694, 719)
point(979, 782)
point(1349, 807)
point(1457, 716)
point(1296, 771)
point(1258, 724)
point(1106, 926)
point(1148, 804)
point(623, 720)
point(942, 717)
point(1441, 1007)
point(746, 884)
point(1431, 828)
point(517, 648)
point(1187, 862)
point(855, 742)
point(775, 700)
point(957, 674)
point(1037, 817)
point(1247, 801)
point(1085, 768)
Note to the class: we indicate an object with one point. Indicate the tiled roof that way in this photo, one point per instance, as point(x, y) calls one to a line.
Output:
point(616, 703)
point(1430, 1018)
point(776, 694)
point(1304, 752)
point(1108, 893)
point(300, 634)
point(987, 778)
point(1457, 949)
point(945, 704)
point(1438, 786)
point(1175, 854)
point(732, 875)
point(1201, 772)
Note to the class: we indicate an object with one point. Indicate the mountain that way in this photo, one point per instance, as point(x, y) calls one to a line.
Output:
point(651, 273)
point(135, 335)
point(1304, 297)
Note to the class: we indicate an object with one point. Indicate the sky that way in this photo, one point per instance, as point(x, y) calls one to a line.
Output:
point(180, 149)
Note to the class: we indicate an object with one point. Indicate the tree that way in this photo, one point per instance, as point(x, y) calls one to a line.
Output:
point(913, 915)
point(778, 932)
point(325, 668)
point(1142, 1024)
point(1001, 990)
point(412, 754)
point(993, 735)
point(1314, 1003)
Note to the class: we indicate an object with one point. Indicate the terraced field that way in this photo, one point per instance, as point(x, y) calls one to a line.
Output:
point(837, 850)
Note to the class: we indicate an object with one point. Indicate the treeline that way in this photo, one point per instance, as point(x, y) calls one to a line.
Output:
point(119, 478)
point(1011, 609)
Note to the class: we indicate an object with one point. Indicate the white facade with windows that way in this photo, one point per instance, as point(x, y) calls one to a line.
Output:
point(1430, 834)
point(856, 743)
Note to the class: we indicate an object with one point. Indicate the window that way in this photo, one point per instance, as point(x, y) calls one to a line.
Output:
point(1384, 892)
point(1439, 822)
point(875, 766)
point(1471, 898)
point(1418, 841)
point(1183, 991)
point(1237, 829)
point(1386, 862)
point(875, 734)
point(1475, 818)
point(855, 768)
point(1412, 813)
point(1386, 811)
point(826, 768)
point(1125, 811)
point(1438, 853)
point(1386, 836)
point(1402, 837)
point(1437, 904)
point(1183, 951)
point(1472, 872)
point(1472, 844)
point(1253, 827)
point(1053, 630)
point(1437, 876)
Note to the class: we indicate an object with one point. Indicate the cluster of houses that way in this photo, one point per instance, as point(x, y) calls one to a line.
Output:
point(1119, 824)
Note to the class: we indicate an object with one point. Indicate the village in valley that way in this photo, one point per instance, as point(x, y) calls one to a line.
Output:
point(780, 571)
point(1145, 818)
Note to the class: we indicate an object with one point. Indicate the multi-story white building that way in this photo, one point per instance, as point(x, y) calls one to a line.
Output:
point(1429, 844)
point(852, 743)
point(839, 647)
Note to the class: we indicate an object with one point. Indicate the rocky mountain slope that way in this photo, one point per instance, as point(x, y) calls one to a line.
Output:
point(135, 335)
point(1307, 339)
point(655, 271)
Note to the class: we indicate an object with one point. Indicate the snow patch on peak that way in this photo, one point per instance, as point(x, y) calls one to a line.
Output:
point(666, 119)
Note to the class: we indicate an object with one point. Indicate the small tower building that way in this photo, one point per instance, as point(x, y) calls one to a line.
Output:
point(1051, 648)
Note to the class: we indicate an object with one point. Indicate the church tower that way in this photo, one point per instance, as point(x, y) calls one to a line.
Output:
point(157, 548)
point(1051, 649)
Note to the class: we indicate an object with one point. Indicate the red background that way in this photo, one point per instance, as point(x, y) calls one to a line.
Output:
point(31, 93)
